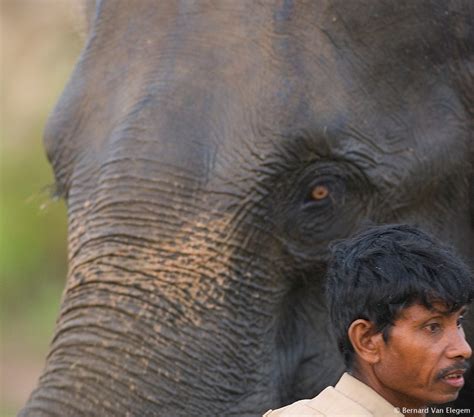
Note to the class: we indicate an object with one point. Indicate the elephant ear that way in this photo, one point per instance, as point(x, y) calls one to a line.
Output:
point(466, 82)
point(471, 181)
point(469, 99)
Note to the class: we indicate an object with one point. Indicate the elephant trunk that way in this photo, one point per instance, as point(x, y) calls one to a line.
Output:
point(100, 354)
point(162, 339)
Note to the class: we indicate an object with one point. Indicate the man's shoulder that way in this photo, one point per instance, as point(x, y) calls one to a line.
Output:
point(299, 408)
point(329, 403)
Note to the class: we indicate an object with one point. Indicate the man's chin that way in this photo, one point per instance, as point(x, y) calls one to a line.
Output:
point(444, 398)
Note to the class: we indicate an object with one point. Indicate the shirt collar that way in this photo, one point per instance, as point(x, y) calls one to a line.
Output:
point(365, 396)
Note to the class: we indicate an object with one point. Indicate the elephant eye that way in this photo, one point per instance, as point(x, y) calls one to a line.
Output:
point(319, 192)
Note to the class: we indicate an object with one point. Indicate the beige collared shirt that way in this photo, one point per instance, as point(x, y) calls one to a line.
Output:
point(350, 397)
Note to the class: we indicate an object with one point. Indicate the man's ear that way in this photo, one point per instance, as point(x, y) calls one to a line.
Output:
point(365, 340)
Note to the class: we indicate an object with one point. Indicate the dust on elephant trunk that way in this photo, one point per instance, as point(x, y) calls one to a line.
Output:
point(209, 152)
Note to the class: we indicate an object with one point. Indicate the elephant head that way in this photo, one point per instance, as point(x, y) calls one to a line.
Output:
point(209, 152)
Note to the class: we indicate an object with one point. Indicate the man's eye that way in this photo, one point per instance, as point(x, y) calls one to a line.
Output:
point(433, 327)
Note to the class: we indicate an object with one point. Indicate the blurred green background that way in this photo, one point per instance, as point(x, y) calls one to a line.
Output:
point(39, 45)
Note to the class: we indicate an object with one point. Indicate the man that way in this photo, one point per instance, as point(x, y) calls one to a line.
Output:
point(396, 300)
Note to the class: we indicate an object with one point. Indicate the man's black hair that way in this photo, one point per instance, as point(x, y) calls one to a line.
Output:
point(379, 272)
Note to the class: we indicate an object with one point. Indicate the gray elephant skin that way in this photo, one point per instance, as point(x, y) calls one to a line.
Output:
point(209, 152)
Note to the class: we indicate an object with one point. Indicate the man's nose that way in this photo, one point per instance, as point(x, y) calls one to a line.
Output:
point(458, 346)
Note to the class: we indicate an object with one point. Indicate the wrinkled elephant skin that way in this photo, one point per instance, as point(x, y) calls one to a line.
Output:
point(208, 152)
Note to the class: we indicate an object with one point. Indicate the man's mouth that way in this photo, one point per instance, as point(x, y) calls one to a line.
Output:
point(454, 375)
point(454, 378)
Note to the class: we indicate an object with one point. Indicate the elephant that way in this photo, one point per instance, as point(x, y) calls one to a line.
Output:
point(209, 152)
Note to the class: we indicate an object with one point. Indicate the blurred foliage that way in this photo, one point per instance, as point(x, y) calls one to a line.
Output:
point(39, 45)
point(33, 243)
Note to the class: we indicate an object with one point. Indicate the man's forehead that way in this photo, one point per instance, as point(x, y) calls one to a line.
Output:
point(437, 307)
point(445, 308)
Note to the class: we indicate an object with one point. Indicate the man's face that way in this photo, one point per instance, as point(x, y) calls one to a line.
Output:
point(425, 357)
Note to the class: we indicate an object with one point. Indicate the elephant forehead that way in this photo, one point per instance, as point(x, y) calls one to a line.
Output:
point(200, 71)
point(186, 98)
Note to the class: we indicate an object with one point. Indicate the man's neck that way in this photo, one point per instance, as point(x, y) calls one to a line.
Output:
point(405, 406)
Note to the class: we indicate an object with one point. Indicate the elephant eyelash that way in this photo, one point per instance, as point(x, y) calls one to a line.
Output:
point(58, 191)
